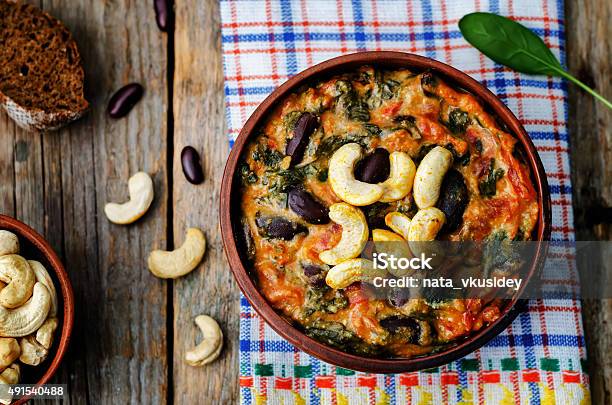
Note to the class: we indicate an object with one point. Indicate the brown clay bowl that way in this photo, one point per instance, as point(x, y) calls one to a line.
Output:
point(34, 247)
point(229, 212)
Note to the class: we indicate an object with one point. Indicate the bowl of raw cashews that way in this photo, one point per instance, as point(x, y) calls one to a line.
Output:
point(36, 310)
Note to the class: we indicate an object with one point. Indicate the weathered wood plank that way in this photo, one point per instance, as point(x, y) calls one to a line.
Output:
point(118, 352)
point(53, 216)
point(199, 121)
point(35, 182)
point(590, 123)
point(7, 166)
point(122, 44)
point(28, 178)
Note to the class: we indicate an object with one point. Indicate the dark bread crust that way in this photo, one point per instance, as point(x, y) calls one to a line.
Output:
point(40, 65)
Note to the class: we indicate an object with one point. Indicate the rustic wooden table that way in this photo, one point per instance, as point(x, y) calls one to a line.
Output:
point(131, 329)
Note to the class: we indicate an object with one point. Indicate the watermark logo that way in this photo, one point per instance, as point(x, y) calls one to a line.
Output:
point(386, 261)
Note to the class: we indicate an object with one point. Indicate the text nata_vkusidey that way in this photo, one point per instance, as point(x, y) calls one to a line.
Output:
point(386, 261)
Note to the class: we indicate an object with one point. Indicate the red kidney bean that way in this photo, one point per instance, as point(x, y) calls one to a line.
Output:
point(278, 227)
point(411, 327)
point(304, 204)
point(374, 168)
point(453, 200)
point(192, 166)
point(163, 14)
point(398, 297)
point(122, 102)
point(316, 275)
point(304, 127)
point(393, 323)
point(311, 270)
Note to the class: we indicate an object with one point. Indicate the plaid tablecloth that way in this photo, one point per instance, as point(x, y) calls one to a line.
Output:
point(539, 358)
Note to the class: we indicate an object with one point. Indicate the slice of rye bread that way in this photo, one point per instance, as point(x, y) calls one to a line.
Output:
point(41, 77)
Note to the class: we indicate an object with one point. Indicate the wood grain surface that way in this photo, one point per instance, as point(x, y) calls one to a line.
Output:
point(60, 183)
point(131, 329)
point(589, 29)
point(199, 121)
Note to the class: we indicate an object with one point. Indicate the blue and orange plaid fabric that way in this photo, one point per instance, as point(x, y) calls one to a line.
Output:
point(539, 358)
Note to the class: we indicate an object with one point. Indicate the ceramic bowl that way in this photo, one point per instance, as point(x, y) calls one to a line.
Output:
point(230, 214)
point(34, 247)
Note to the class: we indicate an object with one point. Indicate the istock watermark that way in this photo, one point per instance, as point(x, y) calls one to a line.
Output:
point(496, 268)
point(386, 261)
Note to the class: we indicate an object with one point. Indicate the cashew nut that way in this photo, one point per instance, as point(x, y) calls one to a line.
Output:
point(42, 276)
point(140, 187)
point(9, 243)
point(181, 261)
point(401, 177)
point(32, 352)
point(354, 234)
point(383, 235)
point(9, 376)
point(210, 347)
point(44, 334)
point(342, 179)
point(27, 318)
point(393, 245)
point(400, 223)
point(425, 225)
point(429, 176)
point(9, 352)
point(20, 279)
point(351, 271)
point(35, 347)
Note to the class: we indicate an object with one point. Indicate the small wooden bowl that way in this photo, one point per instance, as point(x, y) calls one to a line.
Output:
point(230, 198)
point(34, 247)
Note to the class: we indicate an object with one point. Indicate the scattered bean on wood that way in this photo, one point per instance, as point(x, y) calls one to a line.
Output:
point(192, 165)
point(163, 14)
point(122, 102)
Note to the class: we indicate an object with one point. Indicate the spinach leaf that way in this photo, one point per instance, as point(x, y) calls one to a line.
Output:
point(501, 254)
point(458, 120)
point(488, 186)
point(386, 87)
point(322, 299)
point(463, 160)
point(516, 46)
point(291, 118)
point(270, 157)
point(358, 111)
point(372, 129)
point(322, 175)
point(383, 89)
point(408, 123)
point(335, 334)
point(332, 143)
point(247, 175)
point(282, 181)
point(424, 150)
point(349, 100)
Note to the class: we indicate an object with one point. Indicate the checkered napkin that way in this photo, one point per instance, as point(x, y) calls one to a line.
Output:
point(539, 358)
